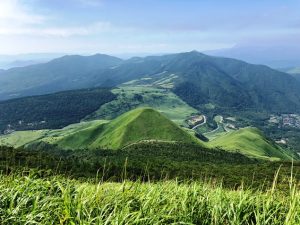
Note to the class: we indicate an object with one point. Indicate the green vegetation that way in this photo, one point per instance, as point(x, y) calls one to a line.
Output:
point(130, 97)
point(229, 83)
point(20, 138)
point(53, 110)
point(137, 165)
point(57, 200)
point(218, 131)
point(144, 125)
point(135, 185)
point(141, 124)
point(150, 161)
point(197, 78)
point(251, 142)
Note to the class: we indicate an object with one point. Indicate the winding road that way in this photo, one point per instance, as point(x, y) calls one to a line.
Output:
point(200, 124)
point(218, 123)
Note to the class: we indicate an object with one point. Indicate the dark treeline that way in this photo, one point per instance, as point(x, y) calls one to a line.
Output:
point(53, 110)
point(148, 161)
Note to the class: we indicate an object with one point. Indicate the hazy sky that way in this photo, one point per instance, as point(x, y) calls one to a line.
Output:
point(145, 26)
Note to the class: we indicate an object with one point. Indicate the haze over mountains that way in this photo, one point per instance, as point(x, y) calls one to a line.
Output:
point(275, 56)
point(197, 78)
point(21, 60)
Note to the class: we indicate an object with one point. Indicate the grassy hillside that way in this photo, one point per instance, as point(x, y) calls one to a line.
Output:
point(134, 126)
point(51, 111)
point(58, 200)
point(251, 142)
point(131, 96)
point(145, 184)
point(140, 125)
point(146, 124)
point(20, 138)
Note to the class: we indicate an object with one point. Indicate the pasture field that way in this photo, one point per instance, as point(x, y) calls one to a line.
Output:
point(131, 97)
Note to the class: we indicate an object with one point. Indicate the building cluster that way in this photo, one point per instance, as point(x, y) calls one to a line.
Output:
point(194, 120)
point(291, 120)
point(286, 120)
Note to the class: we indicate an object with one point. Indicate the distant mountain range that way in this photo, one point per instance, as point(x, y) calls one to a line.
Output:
point(195, 77)
point(20, 60)
point(278, 56)
point(22, 63)
point(65, 73)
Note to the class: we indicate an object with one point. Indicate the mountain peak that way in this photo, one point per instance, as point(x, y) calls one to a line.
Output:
point(141, 124)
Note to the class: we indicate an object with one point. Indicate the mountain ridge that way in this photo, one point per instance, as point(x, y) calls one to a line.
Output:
point(60, 74)
point(200, 79)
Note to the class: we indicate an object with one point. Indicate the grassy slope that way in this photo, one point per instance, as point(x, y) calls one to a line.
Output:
point(136, 125)
point(58, 200)
point(162, 100)
point(84, 128)
point(251, 142)
point(20, 138)
point(144, 124)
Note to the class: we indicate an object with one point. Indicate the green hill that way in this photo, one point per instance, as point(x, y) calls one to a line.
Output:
point(250, 142)
point(144, 125)
point(137, 125)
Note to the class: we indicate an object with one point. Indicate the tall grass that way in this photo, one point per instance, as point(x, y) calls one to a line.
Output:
point(59, 200)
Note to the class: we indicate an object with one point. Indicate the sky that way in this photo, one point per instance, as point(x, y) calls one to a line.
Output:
point(145, 26)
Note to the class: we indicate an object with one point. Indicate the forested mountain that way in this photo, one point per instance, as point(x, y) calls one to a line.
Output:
point(197, 78)
point(65, 73)
point(251, 86)
point(51, 111)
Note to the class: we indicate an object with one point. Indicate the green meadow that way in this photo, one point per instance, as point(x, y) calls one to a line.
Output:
point(130, 97)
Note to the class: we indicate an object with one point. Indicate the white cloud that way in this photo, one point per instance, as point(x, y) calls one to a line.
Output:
point(15, 13)
point(94, 28)
point(17, 19)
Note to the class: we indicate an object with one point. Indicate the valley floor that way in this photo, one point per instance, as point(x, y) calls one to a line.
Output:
point(58, 200)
